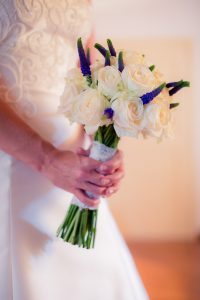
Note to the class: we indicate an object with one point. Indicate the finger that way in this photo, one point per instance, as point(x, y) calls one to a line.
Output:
point(112, 190)
point(94, 189)
point(90, 164)
point(105, 180)
point(80, 194)
point(98, 179)
point(83, 152)
point(115, 177)
point(110, 166)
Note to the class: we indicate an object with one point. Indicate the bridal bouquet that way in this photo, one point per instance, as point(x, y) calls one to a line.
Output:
point(120, 95)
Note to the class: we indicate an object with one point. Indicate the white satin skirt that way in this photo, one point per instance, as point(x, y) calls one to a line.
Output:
point(36, 265)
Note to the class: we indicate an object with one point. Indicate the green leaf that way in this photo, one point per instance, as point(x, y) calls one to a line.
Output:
point(173, 105)
point(152, 67)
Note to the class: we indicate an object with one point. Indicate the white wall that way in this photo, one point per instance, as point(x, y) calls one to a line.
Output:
point(151, 20)
point(147, 18)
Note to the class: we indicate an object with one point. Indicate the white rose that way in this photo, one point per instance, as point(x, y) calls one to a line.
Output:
point(74, 76)
point(158, 76)
point(128, 112)
point(131, 57)
point(138, 78)
point(67, 100)
point(109, 80)
point(89, 107)
point(156, 119)
point(163, 97)
point(95, 67)
point(114, 61)
point(75, 83)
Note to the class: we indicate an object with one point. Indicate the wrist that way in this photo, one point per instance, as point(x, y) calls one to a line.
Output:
point(48, 152)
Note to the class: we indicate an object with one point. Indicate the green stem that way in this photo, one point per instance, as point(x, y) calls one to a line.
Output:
point(72, 238)
point(94, 224)
point(89, 237)
point(80, 240)
point(69, 230)
point(70, 217)
point(106, 135)
point(84, 227)
point(72, 213)
point(65, 220)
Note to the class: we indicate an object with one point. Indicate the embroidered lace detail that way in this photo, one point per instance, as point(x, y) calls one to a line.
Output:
point(37, 47)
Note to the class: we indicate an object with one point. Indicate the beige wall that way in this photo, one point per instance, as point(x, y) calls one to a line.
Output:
point(160, 195)
point(156, 200)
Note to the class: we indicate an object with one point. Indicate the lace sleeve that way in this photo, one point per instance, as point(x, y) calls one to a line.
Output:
point(37, 47)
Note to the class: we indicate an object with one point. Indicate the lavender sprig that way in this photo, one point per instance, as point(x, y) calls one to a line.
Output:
point(173, 84)
point(109, 112)
point(111, 48)
point(107, 58)
point(148, 97)
point(120, 62)
point(85, 68)
point(101, 49)
point(177, 86)
point(88, 56)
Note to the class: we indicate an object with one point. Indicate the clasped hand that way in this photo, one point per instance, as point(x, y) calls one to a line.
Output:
point(77, 173)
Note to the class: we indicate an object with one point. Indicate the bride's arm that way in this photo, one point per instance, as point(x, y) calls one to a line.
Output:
point(70, 171)
point(20, 141)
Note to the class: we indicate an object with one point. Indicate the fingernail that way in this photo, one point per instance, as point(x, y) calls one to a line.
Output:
point(106, 181)
point(103, 168)
point(110, 191)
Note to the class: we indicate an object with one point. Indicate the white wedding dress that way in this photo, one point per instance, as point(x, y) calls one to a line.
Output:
point(37, 47)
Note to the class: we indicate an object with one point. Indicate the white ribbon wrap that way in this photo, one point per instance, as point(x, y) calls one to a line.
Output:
point(98, 152)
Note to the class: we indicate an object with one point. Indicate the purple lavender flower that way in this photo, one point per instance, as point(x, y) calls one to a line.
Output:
point(120, 62)
point(109, 112)
point(85, 68)
point(173, 84)
point(177, 86)
point(107, 58)
point(111, 48)
point(101, 49)
point(88, 56)
point(148, 97)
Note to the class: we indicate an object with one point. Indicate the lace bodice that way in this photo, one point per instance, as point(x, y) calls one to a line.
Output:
point(37, 47)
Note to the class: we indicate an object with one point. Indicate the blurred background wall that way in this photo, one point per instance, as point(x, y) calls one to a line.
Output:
point(160, 195)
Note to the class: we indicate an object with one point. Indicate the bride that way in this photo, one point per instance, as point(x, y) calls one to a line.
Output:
point(42, 165)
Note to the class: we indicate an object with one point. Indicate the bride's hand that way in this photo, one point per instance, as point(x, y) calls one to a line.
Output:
point(113, 171)
point(76, 173)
